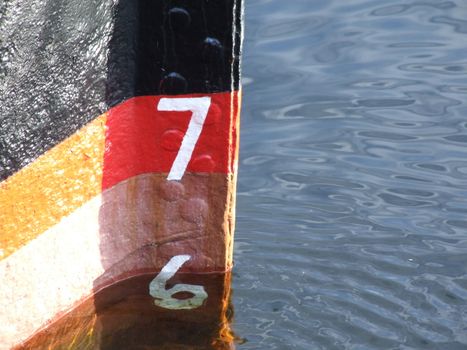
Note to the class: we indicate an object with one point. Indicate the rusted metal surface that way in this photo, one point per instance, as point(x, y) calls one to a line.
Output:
point(91, 200)
point(123, 316)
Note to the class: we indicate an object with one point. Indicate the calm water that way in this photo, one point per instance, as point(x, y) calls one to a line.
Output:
point(352, 210)
point(352, 197)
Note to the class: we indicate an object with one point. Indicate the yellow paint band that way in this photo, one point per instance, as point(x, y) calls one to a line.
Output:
point(54, 185)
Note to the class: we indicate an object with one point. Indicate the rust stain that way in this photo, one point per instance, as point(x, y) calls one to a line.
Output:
point(125, 314)
point(57, 183)
point(158, 219)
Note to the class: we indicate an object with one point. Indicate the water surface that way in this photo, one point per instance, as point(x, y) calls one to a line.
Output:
point(352, 211)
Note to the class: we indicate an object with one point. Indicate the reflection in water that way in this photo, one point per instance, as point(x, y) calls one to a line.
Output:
point(124, 316)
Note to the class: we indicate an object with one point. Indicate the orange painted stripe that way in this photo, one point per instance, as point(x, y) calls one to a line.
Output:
point(54, 185)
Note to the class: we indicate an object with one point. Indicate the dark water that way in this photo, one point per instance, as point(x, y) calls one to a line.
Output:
point(352, 211)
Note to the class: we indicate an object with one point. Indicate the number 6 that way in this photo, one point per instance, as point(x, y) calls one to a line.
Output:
point(163, 297)
point(200, 107)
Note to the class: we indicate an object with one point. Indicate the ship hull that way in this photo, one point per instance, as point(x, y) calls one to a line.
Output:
point(142, 192)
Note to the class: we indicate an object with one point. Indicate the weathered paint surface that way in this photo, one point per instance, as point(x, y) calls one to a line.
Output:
point(88, 201)
point(123, 317)
point(134, 226)
point(73, 60)
point(60, 181)
point(143, 138)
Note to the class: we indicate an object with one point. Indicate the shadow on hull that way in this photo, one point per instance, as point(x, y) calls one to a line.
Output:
point(123, 316)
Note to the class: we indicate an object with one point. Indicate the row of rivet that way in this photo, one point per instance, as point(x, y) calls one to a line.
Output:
point(180, 19)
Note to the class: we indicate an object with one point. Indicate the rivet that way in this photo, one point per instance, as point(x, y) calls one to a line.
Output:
point(173, 83)
point(179, 18)
point(212, 49)
point(171, 140)
point(214, 115)
point(194, 210)
point(172, 191)
point(204, 162)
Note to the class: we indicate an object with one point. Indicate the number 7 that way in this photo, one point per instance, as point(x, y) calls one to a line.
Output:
point(199, 106)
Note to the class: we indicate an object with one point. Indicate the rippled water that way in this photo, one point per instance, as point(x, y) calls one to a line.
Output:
point(352, 210)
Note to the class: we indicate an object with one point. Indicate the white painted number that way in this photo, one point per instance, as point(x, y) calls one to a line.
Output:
point(164, 297)
point(199, 106)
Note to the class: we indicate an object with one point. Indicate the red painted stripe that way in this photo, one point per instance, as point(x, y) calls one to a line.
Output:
point(140, 139)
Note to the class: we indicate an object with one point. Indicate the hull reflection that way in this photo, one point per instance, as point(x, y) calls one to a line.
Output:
point(124, 316)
